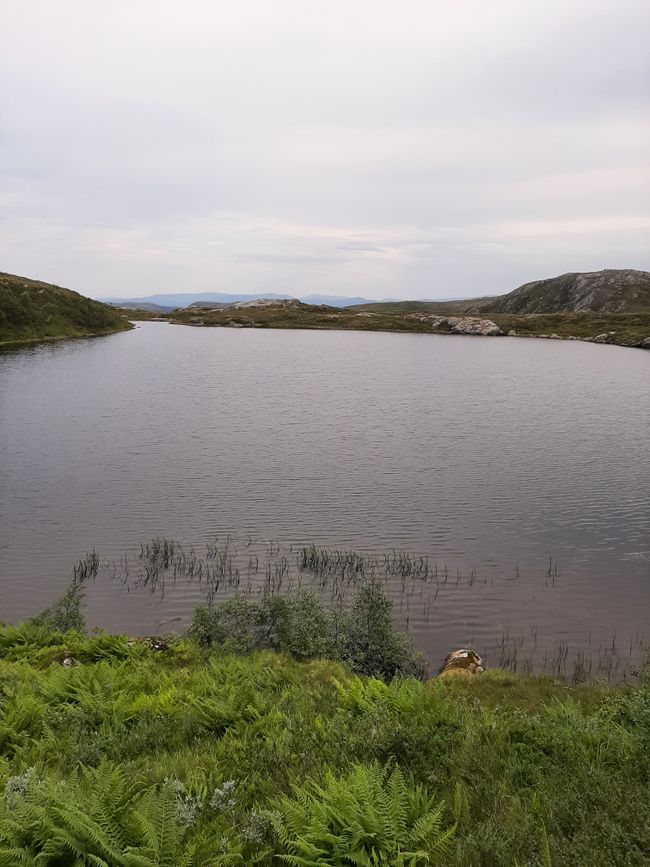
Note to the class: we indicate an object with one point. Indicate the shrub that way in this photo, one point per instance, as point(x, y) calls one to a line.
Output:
point(65, 613)
point(372, 645)
point(233, 625)
point(299, 624)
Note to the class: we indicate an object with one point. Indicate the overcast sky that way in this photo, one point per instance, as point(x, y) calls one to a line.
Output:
point(411, 148)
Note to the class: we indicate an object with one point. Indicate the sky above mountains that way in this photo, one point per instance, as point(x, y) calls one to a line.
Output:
point(420, 148)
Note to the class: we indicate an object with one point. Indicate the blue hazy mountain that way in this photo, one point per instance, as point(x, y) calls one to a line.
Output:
point(171, 300)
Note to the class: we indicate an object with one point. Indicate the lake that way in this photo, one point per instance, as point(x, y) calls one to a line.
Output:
point(520, 467)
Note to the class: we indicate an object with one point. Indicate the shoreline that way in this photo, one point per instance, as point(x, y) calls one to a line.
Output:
point(35, 341)
point(601, 339)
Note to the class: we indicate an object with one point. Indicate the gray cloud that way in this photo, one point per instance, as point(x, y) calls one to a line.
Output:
point(421, 148)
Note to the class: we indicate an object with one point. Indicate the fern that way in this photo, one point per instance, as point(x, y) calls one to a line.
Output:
point(370, 817)
point(98, 818)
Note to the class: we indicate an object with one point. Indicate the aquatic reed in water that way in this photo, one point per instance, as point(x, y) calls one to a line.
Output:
point(416, 586)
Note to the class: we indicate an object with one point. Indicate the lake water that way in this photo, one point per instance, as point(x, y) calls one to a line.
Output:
point(494, 457)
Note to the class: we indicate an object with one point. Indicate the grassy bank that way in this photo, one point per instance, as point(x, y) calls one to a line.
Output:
point(135, 752)
point(627, 329)
point(32, 311)
point(620, 329)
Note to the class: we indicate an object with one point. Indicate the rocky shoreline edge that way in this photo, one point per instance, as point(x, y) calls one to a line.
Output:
point(474, 325)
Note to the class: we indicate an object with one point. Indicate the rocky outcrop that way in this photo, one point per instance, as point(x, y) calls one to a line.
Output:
point(466, 325)
point(471, 325)
point(267, 302)
point(465, 661)
point(608, 291)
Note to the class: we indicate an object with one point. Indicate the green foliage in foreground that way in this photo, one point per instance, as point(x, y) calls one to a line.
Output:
point(132, 756)
point(31, 310)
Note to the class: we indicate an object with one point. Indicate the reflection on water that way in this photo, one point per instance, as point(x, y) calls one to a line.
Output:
point(522, 463)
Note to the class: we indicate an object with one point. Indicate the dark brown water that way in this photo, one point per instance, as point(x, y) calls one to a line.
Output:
point(490, 456)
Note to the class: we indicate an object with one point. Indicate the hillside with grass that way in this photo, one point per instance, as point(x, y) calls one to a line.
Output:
point(623, 291)
point(460, 307)
point(274, 733)
point(608, 291)
point(31, 311)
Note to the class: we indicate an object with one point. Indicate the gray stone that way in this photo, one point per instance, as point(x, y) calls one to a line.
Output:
point(466, 325)
point(466, 660)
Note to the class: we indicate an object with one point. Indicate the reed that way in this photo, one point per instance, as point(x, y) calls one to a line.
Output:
point(418, 587)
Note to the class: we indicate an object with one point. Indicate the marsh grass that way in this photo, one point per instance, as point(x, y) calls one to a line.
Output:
point(418, 588)
point(601, 663)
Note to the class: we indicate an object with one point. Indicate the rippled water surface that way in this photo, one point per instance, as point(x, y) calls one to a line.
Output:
point(490, 456)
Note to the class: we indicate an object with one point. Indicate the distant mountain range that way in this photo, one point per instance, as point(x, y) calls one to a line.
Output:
point(164, 302)
point(607, 291)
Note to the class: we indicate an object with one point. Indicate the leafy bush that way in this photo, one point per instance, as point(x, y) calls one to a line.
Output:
point(233, 626)
point(372, 645)
point(66, 612)
point(300, 625)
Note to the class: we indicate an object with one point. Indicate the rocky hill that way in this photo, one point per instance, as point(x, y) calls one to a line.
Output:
point(31, 310)
point(608, 291)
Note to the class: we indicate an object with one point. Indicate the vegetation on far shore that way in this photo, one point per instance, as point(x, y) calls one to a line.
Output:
point(627, 329)
point(610, 306)
point(240, 743)
point(33, 311)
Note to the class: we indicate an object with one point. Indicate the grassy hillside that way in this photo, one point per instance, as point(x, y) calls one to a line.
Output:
point(608, 291)
point(31, 310)
point(621, 329)
point(439, 308)
point(605, 292)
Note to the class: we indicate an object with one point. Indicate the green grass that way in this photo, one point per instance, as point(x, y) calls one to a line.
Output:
point(628, 329)
point(194, 755)
point(439, 308)
point(32, 311)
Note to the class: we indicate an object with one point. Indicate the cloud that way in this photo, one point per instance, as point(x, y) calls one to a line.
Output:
point(413, 149)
